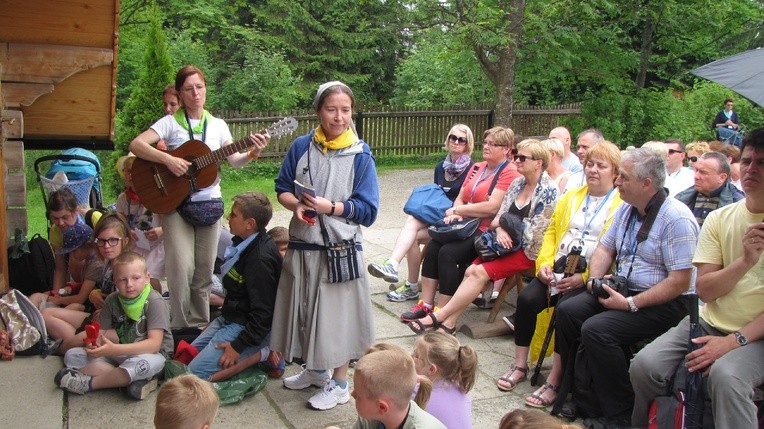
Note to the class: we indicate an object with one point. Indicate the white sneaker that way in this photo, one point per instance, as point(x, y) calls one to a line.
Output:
point(330, 396)
point(307, 378)
point(75, 382)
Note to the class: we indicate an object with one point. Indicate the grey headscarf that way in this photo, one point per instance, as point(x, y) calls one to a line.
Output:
point(322, 88)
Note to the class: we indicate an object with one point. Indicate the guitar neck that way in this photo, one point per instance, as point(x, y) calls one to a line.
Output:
point(280, 128)
point(218, 155)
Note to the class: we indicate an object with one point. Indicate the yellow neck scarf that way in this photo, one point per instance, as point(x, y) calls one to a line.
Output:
point(346, 139)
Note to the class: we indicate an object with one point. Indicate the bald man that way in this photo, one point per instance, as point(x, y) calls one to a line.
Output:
point(570, 160)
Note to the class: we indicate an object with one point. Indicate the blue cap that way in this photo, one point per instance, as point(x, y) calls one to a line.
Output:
point(74, 237)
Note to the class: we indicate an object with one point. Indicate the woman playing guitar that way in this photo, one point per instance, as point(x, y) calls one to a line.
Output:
point(190, 249)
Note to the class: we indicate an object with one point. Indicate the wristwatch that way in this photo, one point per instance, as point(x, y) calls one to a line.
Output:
point(632, 307)
point(741, 339)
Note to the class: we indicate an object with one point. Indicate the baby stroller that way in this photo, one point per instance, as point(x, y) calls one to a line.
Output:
point(77, 169)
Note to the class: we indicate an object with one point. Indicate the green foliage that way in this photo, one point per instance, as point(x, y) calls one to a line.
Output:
point(636, 117)
point(357, 42)
point(264, 83)
point(439, 72)
point(144, 106)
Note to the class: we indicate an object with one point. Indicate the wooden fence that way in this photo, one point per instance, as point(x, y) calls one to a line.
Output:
point(403, 132)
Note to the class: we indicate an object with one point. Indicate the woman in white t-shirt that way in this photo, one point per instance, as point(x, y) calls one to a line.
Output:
point(190, 250)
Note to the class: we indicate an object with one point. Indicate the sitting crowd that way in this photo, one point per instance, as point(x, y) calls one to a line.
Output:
point(617, 243)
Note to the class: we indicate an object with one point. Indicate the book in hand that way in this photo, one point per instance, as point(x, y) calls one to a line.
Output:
point(300, 190)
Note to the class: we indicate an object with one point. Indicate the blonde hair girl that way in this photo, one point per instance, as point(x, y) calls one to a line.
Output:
point(452, 369)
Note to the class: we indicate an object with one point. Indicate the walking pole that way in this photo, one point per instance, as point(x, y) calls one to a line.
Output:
point(544, 348)
point(571, 264)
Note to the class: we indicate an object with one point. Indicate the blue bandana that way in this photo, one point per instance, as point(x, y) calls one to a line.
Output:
point(232, 254)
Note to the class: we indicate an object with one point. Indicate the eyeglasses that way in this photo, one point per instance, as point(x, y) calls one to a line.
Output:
point(523, 158)
point(113, 241)
point(485, 143)
point(693, 159)
point(673, 151)
point(461, 141)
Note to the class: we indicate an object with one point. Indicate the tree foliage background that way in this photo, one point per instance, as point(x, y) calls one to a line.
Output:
point(626, 62)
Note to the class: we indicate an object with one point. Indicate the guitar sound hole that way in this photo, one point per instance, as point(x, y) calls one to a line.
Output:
point(192, 170)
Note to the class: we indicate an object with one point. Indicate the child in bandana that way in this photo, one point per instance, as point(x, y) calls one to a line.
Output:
point(134, 339)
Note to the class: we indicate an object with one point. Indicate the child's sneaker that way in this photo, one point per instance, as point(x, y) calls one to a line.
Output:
point(274, 365)
point(61, 373)
point(384, 271)
point(417, 312)
point(404, 293)
point(140, 389)
point(307, 378)
point(330, 396)
point(74, 381)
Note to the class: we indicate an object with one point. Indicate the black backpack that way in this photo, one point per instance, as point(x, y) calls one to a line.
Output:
point(30, 264)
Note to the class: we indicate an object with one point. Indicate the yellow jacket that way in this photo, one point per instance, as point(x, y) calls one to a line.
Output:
point(566, 207)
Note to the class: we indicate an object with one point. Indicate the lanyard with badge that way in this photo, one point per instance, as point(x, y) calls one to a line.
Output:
point(632, 246)
point(484, 177)
point(587, 225)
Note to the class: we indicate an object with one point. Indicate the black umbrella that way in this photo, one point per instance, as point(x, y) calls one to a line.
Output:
point(694, 398)
point(742, 73)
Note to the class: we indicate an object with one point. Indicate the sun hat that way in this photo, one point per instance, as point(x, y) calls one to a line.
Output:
point(121, 164)
point(74, 237)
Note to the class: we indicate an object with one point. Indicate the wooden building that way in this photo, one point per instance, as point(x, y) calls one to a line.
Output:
point(58, 72)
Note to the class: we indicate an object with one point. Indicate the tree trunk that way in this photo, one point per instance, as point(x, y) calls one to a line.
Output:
point(502, 70)
point(505, 89)
point(646, 45)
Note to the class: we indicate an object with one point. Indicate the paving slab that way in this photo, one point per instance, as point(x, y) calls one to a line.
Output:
point(27, 381)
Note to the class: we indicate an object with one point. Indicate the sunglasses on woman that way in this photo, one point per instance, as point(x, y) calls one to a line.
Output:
point(523, 158)
point(693, 159)
point(458, 140)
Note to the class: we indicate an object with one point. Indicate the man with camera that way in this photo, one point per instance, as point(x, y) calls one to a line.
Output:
point(651, 241)
point(730, 271)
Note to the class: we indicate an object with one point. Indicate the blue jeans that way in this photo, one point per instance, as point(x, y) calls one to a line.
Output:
point(219, 331)
point(730, 136)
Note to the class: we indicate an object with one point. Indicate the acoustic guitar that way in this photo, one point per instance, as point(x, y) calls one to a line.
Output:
point(161, 191)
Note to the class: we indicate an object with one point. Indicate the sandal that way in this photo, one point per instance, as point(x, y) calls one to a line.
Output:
point(539, 396)
point(446, 329)
point(507, 378)
point(420, 328)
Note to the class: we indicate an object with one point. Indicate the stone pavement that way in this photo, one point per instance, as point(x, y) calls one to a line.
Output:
point(33, 401)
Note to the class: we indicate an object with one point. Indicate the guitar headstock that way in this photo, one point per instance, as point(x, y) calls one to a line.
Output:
point(283, 127)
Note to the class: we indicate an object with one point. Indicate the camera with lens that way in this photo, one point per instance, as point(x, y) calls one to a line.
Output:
point(619, 284)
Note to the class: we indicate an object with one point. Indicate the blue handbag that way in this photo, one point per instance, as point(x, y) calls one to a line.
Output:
point(428, 203)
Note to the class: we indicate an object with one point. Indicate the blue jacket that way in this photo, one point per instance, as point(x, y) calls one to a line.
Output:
point(360, 197)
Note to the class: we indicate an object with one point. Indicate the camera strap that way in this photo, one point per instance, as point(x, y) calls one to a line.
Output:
point(651, 213)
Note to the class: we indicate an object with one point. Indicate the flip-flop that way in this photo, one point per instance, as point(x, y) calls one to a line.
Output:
point(539, 395)
point(507, 378)
point(420, 328)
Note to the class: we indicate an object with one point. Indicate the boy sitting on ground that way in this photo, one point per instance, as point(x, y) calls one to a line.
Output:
point(250, 277)
point(186, 402)
point(134, 340)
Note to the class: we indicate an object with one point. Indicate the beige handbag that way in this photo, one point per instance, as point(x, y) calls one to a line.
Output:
point(22, 333)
